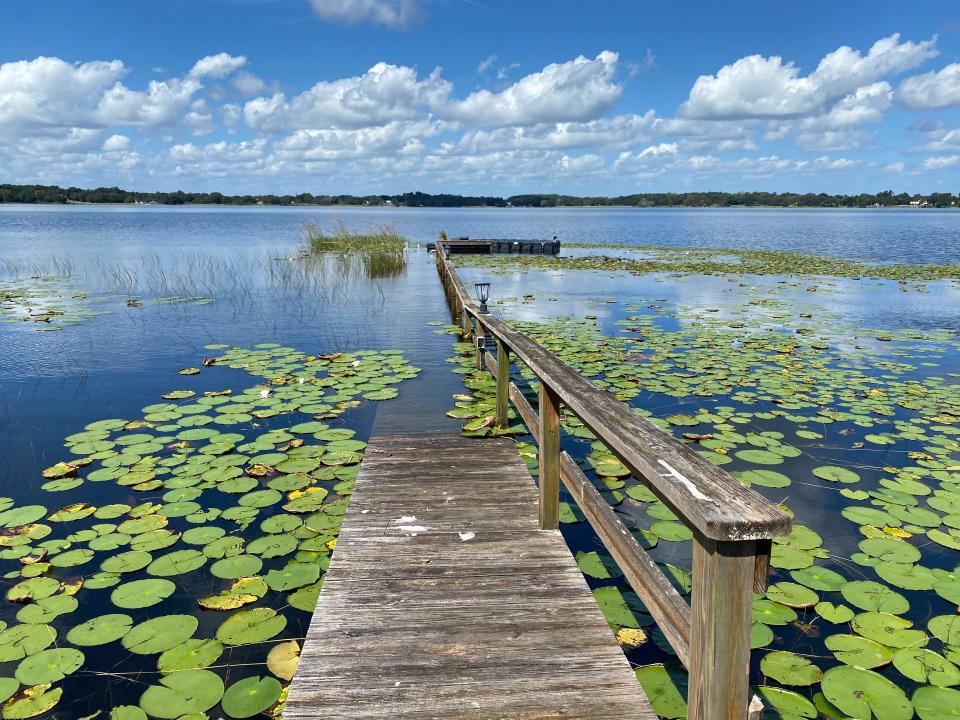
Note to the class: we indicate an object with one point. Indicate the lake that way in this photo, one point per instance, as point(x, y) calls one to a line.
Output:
point(128, 303)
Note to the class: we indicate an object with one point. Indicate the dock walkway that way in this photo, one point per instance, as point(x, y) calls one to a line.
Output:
point(445, 599)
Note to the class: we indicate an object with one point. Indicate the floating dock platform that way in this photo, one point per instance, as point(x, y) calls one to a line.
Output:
point(483, 246)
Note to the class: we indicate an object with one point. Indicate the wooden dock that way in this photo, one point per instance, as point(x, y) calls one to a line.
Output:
point(445, 599)
point(483, 246)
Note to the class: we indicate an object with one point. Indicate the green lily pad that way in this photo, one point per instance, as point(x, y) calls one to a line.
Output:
point(936, 703)
point(100, 630)
point(251, 696)
point(890, 630)
point(182, 693)
point(864, 694)
point(236, 566)
point(250, 626)
point(872, 596)
point(160, 633)
point(836, 474)
point(142, 593)
point(860, 651)
point(660, 689)
point(177, 563)
point(790, 669)
point(926, 666)
point(192, 654)
point(49, 666)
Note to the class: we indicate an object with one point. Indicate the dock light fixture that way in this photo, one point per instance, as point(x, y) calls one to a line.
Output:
point(483, 294)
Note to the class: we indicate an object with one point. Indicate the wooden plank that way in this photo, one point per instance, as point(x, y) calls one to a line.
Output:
point(444, 599)
point(723, 575)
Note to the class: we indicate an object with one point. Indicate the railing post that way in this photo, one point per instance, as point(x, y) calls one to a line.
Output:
point(503, 385)
point(549, 458)
point(479, 341)
point(720, 614)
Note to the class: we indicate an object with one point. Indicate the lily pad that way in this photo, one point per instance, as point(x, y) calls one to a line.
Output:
point(182, 693)
point(251, 696)
point(864, 694)
point(142, 593)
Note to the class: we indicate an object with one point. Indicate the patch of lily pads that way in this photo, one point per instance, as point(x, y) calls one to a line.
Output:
point(207, 527)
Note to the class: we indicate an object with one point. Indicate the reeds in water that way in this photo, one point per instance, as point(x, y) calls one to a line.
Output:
point(380, 252)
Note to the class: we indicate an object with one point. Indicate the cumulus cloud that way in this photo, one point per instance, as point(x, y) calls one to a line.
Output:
point(574, 91)
point(247, 83)
point(403, 138)
point(47, 92)
point(761, 87)
point(939, 163)
point(217, 66)
point(116, 142)
point(932, 90)
point(392, 14)
point(383, 94)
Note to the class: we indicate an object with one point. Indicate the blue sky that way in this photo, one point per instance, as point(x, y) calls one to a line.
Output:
point(482, 96)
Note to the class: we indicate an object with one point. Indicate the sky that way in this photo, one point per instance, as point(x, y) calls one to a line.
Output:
point(482, 97)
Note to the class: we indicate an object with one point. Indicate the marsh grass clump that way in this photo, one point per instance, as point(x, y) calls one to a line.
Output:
point(380, 252)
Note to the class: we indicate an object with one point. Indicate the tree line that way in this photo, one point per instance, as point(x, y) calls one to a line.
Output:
point(54, 194)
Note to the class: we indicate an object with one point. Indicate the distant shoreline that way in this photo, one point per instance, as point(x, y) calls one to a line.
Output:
point(231, 206)
point(56, 195)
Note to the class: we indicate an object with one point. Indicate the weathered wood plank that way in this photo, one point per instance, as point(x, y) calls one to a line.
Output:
point(445, 600)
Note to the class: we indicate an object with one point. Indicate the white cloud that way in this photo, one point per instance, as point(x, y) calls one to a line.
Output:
point(640, 67)
point(199, 119)
point(392, 14)
point(759, 87)
point(578, 90)
point(116, 142)
point(897, 167)
point(486, 64)
point(36, 95)
point(247, 83)
point(328, 144)
point(217, 66)
point(159, 106)
point(932, 90)
point(385, 93)
point(612, 133)
point(590, 162)
point(939, 163)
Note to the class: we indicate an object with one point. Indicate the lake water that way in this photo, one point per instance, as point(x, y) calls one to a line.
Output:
point(148, 288)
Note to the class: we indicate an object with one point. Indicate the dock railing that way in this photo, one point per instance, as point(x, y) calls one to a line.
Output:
point(732, 526)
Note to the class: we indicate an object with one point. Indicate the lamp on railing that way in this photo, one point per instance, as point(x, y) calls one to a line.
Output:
point(483, 294)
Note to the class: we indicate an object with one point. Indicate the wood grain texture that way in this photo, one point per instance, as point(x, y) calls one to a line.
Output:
point(444, 599)
point(723, 576)
point(549, 459)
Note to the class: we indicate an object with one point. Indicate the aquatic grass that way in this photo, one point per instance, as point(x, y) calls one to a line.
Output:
point(380, 251)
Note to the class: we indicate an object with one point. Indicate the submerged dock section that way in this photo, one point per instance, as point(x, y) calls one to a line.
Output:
point(445, 599)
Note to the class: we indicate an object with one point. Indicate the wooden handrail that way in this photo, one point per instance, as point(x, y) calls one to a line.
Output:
point(732, 525)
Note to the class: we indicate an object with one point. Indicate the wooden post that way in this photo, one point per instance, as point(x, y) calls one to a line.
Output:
point(478, 343)
point(720, 612)
point(549, 458)
point(503, 385)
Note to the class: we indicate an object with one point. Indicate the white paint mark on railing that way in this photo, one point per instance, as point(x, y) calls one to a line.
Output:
point(684, 480)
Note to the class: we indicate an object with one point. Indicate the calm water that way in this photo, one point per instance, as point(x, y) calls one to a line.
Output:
point(236, 267)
